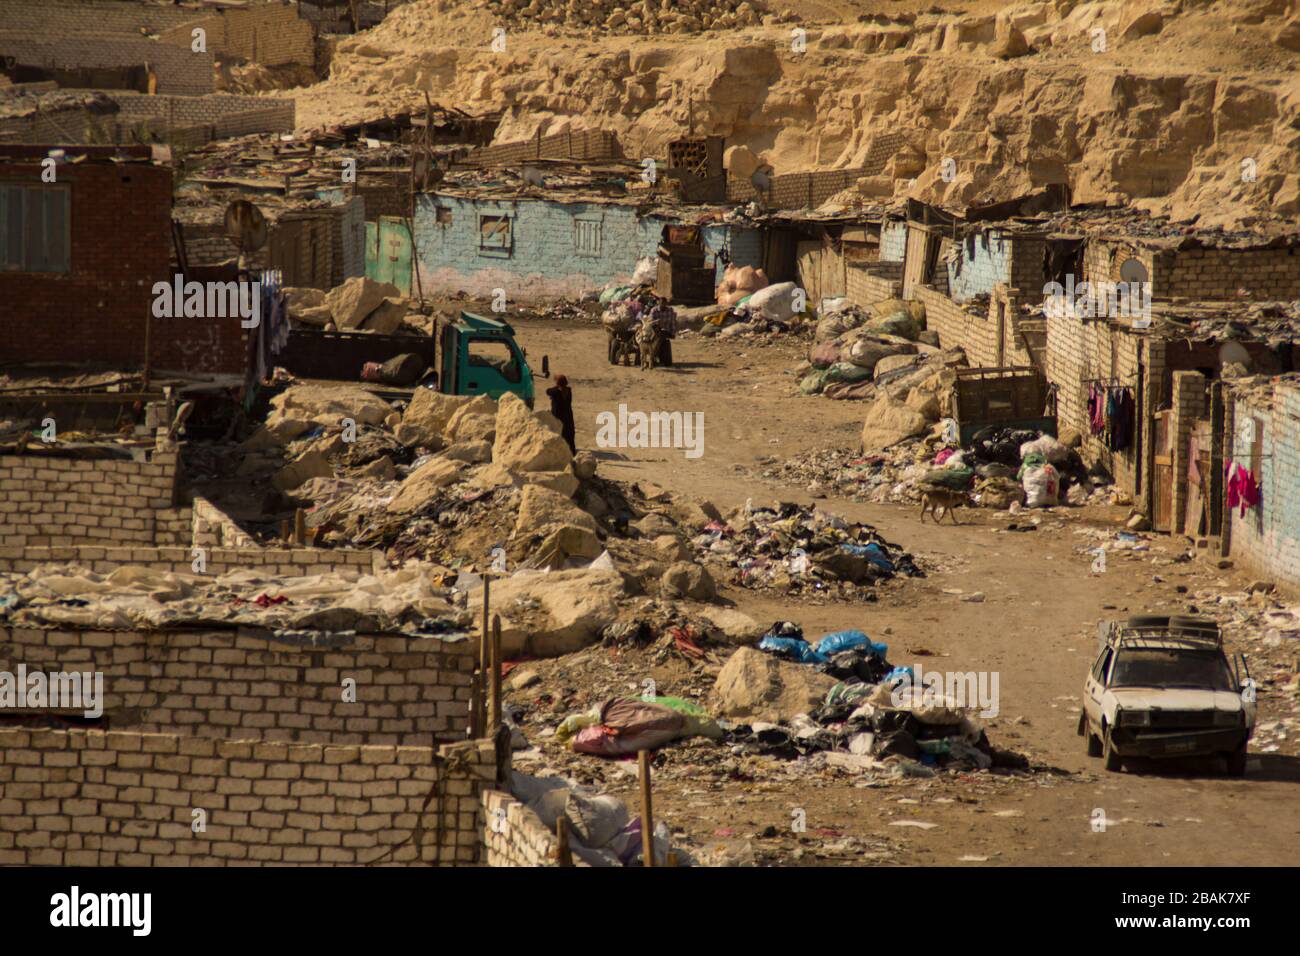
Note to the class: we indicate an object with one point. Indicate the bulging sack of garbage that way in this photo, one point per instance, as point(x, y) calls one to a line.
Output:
point(815, 381)
point(850, 640)
point(824, 354)
point(646, 271)
point(776, 301)
point(1042, 487)
point(628, 725)
point(1047, 446)
point(846, 372)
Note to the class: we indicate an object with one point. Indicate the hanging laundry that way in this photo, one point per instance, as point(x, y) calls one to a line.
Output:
point(1120, 413)
point(1243, 489)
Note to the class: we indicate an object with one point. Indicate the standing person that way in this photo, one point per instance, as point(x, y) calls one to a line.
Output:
point(562, 408)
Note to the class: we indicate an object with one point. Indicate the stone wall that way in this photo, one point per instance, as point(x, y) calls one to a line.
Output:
point(250, 684)
point(56, 501)
point(94, 798)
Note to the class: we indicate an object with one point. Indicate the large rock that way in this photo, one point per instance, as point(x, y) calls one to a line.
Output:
point(685, 579)
point(353, 301)
point(424, 483)
point(734, 625)
point(541, 508)
point(387, 316)
point(327, 405)
point(1288, 35)
point(572, 607)
point(755, 685)
point(889, 421)
point(426, 418)
point(525, 442)
point(309, 465)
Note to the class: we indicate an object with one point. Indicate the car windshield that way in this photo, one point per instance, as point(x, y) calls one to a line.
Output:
point(1152, 667)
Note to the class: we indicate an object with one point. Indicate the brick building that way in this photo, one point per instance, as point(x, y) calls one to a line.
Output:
point(77, 287)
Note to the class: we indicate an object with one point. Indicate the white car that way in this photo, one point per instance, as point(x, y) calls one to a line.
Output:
point(1163, 687)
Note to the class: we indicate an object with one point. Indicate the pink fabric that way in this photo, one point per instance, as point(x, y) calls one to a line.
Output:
point(944, 455)
point(1243, 490)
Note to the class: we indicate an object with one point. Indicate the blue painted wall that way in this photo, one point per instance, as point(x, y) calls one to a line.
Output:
point(543, 261)
point(984, 261)
point(746, 245)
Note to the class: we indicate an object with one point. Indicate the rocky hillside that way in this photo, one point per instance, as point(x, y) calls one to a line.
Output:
point(1190, 109)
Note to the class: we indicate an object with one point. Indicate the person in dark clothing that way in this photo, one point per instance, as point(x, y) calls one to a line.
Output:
point(562, 408)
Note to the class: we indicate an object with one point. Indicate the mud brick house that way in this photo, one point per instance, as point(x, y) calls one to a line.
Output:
point(79, 258)
point(557, 228)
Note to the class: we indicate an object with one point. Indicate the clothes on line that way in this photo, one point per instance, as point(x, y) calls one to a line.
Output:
point(1243, 488)
point(1111, 414)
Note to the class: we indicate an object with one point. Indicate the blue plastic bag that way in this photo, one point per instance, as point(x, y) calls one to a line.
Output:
point(793, 648)
point(849, 640)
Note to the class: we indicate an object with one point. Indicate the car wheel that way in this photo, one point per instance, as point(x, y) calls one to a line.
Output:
point(1237, 762)
point(1091, 744)
point(1114, 762)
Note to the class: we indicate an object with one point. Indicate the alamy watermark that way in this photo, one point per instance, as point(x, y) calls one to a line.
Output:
point(60, 690)
point(1102, 300)
point(965, 689)
point(208, 300)
point(626, 429)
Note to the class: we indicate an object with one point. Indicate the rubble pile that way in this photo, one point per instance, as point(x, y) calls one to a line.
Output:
point(360, 304)
point(405, 600)
point(802, 550)
point(636, 16)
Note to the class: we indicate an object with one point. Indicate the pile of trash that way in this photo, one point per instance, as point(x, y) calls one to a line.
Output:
point(622, 726)
point(775, 308)
point(415, 599)
point(601, 831)
point(854, 347)
point(841, 697)
point(799, 549)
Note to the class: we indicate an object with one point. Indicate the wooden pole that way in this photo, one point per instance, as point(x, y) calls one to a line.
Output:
point(300, 527)
point(647, 811)
point(563, 855)
point(494, 680)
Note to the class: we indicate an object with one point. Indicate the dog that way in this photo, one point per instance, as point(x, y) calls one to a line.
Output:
point(940, 501)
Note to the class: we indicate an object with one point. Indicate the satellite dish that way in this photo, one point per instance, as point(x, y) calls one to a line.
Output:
point(245, 227)
point(1133, 271)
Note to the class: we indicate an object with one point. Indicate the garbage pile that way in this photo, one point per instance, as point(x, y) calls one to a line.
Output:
point(601, 831)
point(775, 308)
point(854, 347)
point(842, 698)
point(801, 550)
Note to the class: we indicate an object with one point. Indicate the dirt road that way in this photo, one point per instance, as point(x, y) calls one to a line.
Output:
point(1035, 626)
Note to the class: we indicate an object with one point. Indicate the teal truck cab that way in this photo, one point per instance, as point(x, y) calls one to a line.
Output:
point(479, 356)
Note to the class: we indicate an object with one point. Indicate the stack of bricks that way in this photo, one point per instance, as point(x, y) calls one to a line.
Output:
point(269, 33)
point(514, 835)
point(1207, 273)
point(251, 684)
point(588, 144)
point(49, 501)
point(868, 282)
point(90, 798)
point(212, 528)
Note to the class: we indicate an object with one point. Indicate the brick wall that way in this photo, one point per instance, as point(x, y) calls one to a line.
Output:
point(89, 798)
point(871, 282)
point(893, 240)
point(1220, 273)
point(98, 311)
point(213, 528)
point(180, 72)
point(246, 683)
point(268, 33)
point(227, 114)
point(578, 144)
point(513, 835)
point(180, 558)
point(958, 327)
point(544, 261)
point(1266, 540)
point(50, 18)
point(48, 501)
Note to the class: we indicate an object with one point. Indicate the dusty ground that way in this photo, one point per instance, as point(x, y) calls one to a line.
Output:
point(1036, 627)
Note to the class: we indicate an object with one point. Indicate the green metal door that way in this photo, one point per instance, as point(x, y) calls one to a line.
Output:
point(372, 251)
point(394, 254)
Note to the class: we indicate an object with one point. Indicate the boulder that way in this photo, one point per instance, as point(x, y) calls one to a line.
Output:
point(888, 422)
point(317, 315)
point(476, 420)
point(685, 579)
point(387, 316)
point(584, 465)
point(382, 468)
point(328, 405)
point(732, 624)
point(670, 548)
point(755, 685)
point(426, 417)
point(424, 483)
point(470, 452)
point(309, 465)
point(1288, 35)
point(1143, 24)
point(525, 442)
point(354, 300)
point(541, 508)
point(572, 608)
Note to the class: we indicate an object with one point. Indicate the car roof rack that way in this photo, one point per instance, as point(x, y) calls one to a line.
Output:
point(1189, 633)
